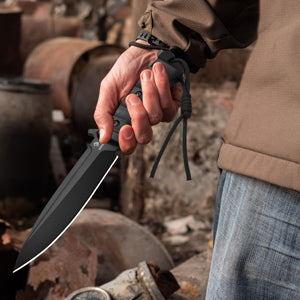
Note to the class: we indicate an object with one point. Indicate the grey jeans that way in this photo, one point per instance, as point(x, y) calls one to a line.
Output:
point(257, 241)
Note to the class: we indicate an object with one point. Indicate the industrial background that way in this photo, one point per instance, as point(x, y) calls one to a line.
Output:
point(53, 56)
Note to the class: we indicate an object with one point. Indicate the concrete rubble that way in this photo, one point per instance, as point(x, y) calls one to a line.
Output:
point(183, 225)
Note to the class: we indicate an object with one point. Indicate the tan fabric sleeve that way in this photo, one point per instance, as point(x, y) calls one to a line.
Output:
point(202, 28)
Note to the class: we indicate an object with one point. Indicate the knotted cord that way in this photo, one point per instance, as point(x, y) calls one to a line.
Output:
point(186, 111)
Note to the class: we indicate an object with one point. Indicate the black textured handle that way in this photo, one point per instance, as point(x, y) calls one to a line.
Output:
point(122, 117)
point(175, 73)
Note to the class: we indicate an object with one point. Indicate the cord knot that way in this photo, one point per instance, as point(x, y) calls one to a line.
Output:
point(186, 106)
point(186, 112)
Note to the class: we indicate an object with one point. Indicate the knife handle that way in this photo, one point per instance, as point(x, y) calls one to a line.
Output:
point(175, 71)
point(122, 117)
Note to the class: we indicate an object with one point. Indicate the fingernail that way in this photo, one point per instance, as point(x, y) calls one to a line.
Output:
point(101, 133)
point(146, 75)
point(158, 68)
point(128, 134)
point(133, 100)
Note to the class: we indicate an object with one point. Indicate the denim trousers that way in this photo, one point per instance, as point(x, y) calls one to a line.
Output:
point(256, 251)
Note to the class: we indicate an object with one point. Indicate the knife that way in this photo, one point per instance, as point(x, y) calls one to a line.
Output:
point(86, 176)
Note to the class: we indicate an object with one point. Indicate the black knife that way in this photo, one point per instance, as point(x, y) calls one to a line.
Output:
point(86, 176)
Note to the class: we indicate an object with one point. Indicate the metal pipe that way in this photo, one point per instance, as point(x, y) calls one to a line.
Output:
point(137, 283)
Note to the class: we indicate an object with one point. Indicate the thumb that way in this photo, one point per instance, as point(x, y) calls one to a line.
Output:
point(106, 106)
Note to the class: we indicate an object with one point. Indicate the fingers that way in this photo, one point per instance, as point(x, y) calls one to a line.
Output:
point(169, 105)
point(139, 119)
point(160, 103)
point(176, 91)
point(127, 140)
point(117, 84)
point(105, 109)
point(140, 132)
point(151, 97)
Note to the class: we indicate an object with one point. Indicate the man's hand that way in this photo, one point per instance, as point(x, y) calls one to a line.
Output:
point(159, 102)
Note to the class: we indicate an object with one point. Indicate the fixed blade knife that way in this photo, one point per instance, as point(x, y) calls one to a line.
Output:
point(86, 176)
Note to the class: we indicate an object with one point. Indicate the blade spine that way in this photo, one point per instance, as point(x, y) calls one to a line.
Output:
point(71, 220)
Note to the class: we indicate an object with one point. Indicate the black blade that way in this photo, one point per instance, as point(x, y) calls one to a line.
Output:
point(68, 201)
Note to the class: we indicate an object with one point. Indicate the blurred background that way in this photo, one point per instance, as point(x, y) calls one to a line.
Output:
point(53, 56)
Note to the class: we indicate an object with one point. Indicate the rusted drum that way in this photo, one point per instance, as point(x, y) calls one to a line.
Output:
point(10, 27)
point(39, 15)
point(25, 130)
point(85, 91)
point(59, 61)
point(120, 243)
point(94, 250)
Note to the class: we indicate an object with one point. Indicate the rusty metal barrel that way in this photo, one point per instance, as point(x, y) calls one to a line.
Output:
point(75, 68)
point(37, 14)
point(25, 130)
point(10, 28)
point(85, 89)
point(99, 244)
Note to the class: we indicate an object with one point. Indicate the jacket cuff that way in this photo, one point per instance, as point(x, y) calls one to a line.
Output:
point(194, 51)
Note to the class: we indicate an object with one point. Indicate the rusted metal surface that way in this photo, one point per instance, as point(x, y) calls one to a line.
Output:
point(36, 8)
point(98, 246)
point(10, 27)
point(85, 88)
point(59, 60)
point(121, 241)
point(57, 162)
point(146, 282)
point(39, 15)
point(192, 277)
point(53, 61)
point(8, 256)
point(25, 129)
point(137, 283)
point(49, 27)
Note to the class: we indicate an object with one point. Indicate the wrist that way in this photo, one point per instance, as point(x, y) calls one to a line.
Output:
point(142, 42)
point(145, 56)
point(151, 39)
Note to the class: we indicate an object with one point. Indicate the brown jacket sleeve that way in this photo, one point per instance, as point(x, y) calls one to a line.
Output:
point(202, 27)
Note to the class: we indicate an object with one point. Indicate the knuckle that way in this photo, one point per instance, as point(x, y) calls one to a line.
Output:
point(128, 152)
point(163, 84)
point(168, 118)
point(169, 115)
point(127, 149)
point(97, 117)
point(102, 84)
point(166, 107)
point(155, 118)
point(138, 116)
point(144, 139)
point(177, 93)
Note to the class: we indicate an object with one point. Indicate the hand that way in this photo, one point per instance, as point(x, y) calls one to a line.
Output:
point(160, 103)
